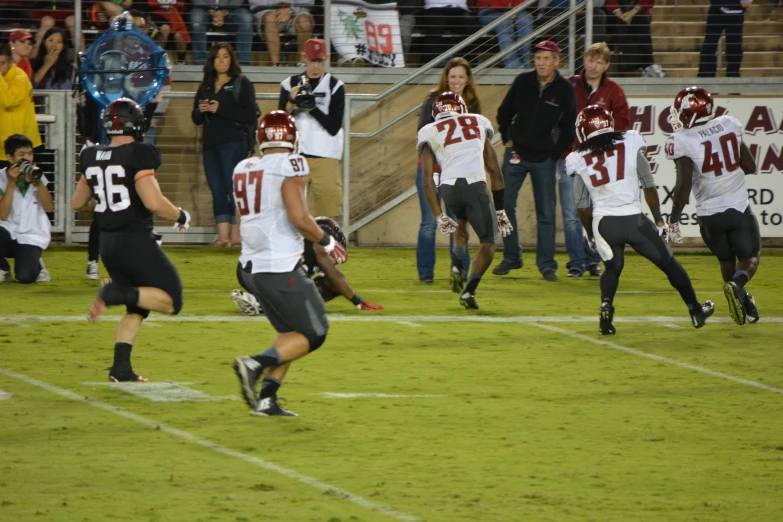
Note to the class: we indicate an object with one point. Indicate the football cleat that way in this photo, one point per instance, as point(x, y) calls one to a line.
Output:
point(705, 311)
point(248, 370)
point(751, 312)
point(455, 281)
point(735, 299)
point(606, 315)
point(246, 302)
point(92, 270)
point(468, 301)
point(96, 309)
point(125, 376)
point(268, 407)
point(5, 276)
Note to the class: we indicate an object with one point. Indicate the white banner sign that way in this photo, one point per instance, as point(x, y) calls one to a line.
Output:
point(763, 121)
point(372, 32)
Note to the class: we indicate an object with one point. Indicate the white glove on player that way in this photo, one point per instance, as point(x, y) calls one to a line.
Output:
point(446, 225)
point(593, 246)
point(663, 231)
point(336, 251)
point(675, 236)
point(183, 227)
point(504, 224)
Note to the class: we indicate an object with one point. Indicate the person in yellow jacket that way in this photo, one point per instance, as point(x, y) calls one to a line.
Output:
point(17, 111)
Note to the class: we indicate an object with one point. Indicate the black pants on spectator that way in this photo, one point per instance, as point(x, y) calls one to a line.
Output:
point(633, 40)
point(439, 20)
point(27, 258)
point(717, 22)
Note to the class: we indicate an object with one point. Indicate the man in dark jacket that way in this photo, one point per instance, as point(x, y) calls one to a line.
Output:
point(536, 120)
point(729, 16)
point(591, 87)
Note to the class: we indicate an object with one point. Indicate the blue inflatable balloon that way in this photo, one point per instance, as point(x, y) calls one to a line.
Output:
point(124, 62)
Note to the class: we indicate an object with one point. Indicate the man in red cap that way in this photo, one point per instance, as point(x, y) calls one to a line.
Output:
point(536, 120)
point(317, 100)
point(22, 45)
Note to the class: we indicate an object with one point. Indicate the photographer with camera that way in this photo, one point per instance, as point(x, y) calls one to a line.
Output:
point(24, 201)
point(317, 100)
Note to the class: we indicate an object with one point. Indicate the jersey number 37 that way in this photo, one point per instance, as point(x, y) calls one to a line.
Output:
point(597, 162)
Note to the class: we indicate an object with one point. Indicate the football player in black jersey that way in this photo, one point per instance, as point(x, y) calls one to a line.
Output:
point(329, 279)
point(120, 187)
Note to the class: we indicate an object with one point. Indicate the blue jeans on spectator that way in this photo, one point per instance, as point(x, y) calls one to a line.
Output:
point(579, 253)
point(508, 33)
point(238, 21)
point(219, 163)
point(425, 247)
point(543, 176)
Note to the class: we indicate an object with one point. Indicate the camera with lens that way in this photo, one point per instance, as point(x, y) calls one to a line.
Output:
point(29, 170)
point(305, 98)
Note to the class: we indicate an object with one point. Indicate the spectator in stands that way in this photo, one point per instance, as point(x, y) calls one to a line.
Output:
point(509, 31)
point(225, 114)
point(51, 13)
point(407, 10)
point(728, 16)
point(21, 42)
point(629, 24)
point(104, 11)
point(228, 15)
point(439, 17)
point(274, 18)
point(52, 68)
point(553, 8)
point(17, 112)
point(167, 16)
point(591, 87)
point(456, 77)
point(13, 12)
point(320, 125)
point(533, 146)
point(24, 227)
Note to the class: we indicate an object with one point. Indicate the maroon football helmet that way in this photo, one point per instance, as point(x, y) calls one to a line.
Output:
point(692, 105)
point(592, 121)
point(448, 104)
point(278, 129)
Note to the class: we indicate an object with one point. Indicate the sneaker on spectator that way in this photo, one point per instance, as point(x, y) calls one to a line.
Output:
point(92, 270)
point(5, 276)
point(594, 270)
point(43, 276)
point(575, 273)
point(653, 71)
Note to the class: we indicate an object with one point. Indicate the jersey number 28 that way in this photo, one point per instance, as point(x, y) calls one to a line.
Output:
point(108, 191)
point(468, 124)
point(601, 176)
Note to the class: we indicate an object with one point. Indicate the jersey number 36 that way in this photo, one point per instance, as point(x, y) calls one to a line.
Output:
point(108, 188)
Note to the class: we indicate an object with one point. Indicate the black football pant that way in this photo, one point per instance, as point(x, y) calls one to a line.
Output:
point(27, 258)
point(717, 22)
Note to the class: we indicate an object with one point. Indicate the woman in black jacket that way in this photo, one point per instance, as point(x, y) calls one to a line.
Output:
point(226, 115)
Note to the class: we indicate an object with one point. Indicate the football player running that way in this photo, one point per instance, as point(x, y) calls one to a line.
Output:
point(329, 279)
point(119, 183)
point(460, 143)
point(608, 168)
point(711, 158)
point(270, 196)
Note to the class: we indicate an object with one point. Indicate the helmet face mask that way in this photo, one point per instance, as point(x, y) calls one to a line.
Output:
point(448, 104)
point(124, 117)
point(331, 227)
point(691, 106)
point(593, 121)
point(278, 130)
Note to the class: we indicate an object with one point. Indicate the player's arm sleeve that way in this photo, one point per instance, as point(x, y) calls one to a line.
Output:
point(581, 194)
point(147, 157)
point(643, 170)
point(296, 166)
point(488, 126)
point(673, 148)
point(333, 121)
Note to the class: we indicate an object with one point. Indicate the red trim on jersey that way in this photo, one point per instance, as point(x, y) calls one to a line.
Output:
point(144, 176)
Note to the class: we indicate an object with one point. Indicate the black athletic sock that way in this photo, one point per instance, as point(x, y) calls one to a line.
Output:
point(269, 387)
point(122, 354)
point(458, 254)
point(610, 280)
point(113, 294)
point(269, 358)
point(94, 245)
point(741, 278)
point(473, 282)
point(679, 279)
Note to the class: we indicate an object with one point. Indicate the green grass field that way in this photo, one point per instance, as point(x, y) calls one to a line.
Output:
point(520, 411)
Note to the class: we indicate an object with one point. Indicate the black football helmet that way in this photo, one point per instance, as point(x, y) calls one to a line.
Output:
point(124, 117)
point(331, 227)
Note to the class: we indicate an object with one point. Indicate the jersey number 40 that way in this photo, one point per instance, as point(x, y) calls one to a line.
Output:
point(108, 187)
point(597, 161)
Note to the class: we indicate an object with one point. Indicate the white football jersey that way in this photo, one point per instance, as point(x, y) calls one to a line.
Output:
point(611, 176)
point(458, 144)
point(269, 239)
point(718, 180)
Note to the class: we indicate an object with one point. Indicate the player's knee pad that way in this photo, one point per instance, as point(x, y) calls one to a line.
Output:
point(316, 341)
point(138, 311)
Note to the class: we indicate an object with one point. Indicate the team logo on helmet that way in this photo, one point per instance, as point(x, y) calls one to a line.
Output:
point(278, 129)
point(692, 105)
point(448, 104)
point(592, 121)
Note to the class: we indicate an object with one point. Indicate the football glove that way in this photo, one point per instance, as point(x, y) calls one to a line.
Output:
point(336, 251)
point(366, 305)
point(675, 236)
point(591, 242)
point(504, 224)
point(183, 223)
point(158, 238)
point(663, 231)
point(446, 225)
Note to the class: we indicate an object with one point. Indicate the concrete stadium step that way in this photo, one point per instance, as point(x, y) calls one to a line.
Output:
point(750, 43)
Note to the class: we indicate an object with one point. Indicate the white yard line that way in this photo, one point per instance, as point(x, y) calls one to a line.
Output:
point(310, 481)
point(329, 395)
point(411, 324)
point(632, 351)
point(670, 325)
